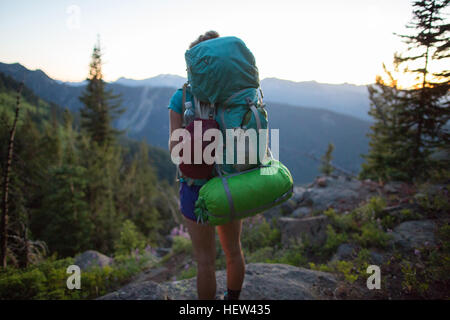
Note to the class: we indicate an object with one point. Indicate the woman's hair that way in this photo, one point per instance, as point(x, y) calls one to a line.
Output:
point(208, 35)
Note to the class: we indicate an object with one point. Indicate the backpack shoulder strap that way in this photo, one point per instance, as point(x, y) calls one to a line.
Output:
point(183, 101)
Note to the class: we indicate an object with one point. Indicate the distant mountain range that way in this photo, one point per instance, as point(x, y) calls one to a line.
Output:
point(345, 98)
point(303, 128)
point(162, 80)
point(74, 84)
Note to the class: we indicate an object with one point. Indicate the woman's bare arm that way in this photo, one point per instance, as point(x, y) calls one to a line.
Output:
point(175, 122)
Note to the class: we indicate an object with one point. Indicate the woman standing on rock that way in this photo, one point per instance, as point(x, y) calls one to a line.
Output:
point(203, 236)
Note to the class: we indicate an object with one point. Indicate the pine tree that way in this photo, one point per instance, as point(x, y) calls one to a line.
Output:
point(100, 154)
point(326, 167)
point(410, 123)
point(100, 105)
point(138, 192)
point(64, 215)
point(389, 157)
point(70, 155)
point(426, 110)
point(102, 172)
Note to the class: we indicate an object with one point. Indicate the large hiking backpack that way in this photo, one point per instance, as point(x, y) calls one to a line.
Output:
point(223, 73)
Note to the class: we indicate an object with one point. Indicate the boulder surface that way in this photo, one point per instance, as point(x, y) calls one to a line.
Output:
point(262, 282)
point(92, 258)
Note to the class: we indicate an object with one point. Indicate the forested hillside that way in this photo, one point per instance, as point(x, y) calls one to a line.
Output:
point(58, 181)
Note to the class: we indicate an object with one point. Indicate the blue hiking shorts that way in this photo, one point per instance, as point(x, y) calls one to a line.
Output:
point(188, 196)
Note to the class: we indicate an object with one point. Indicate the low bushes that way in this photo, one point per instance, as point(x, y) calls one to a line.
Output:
point(48, 279)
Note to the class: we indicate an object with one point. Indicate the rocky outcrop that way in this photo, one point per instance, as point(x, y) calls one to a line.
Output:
point(301, 212)
point(288, 206)
point(262, 282)
point(332, 192)
point(393, 186)
point(92, 258)
point(345, 251)
point(349, 251)
point(338, 192)
point(411, 235)
point(147, 290)
point(153, 274)
point(312, 229)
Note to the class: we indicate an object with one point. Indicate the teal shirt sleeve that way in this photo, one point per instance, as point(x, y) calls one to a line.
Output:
point(175, 101)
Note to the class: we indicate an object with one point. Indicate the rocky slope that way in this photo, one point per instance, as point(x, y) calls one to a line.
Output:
point(415, 245)
point(262, 282)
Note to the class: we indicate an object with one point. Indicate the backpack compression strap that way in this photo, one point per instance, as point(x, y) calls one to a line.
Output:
point(227, 192)
point(252, 107)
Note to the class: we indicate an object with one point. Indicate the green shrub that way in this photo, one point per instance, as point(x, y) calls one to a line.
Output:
point(130, 239)
point(371, 236)
point(437, 259)
point(181, 244)
point(320, 267)
point(347, 269)
point(433, 201)
point(22, 285)
point(263, 255)
point(361, 225)
point(426, 274)
point(341, 222)
point(389, 222)
point(361, 262)
point(258, 233)
point(407, 214)
point(334, 239)
point(410, 282)
point(189, 273)
point(293, 256)
point(370, 211)
point(48, 280)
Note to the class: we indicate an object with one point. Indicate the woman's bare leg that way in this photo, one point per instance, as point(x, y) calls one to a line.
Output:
point(229, 235)
point(204, 244)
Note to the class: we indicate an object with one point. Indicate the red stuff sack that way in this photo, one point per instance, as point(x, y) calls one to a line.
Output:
point(201, 170)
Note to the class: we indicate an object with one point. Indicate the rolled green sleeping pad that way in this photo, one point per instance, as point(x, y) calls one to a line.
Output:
point(240, 195)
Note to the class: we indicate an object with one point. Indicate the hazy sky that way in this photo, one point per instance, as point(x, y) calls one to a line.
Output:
point(324, 40)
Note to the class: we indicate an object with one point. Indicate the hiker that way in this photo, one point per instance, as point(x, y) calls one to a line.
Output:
point(202, 235)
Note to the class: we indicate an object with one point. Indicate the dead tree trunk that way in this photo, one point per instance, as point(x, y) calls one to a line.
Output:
point(4, 221)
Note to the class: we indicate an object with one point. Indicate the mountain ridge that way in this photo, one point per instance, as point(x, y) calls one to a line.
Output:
point(303, 130)
point(343, 98)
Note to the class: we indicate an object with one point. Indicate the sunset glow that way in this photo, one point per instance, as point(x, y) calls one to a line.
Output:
point(326, 41)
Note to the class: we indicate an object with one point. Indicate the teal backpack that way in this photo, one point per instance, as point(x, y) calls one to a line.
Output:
point(223, 72)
